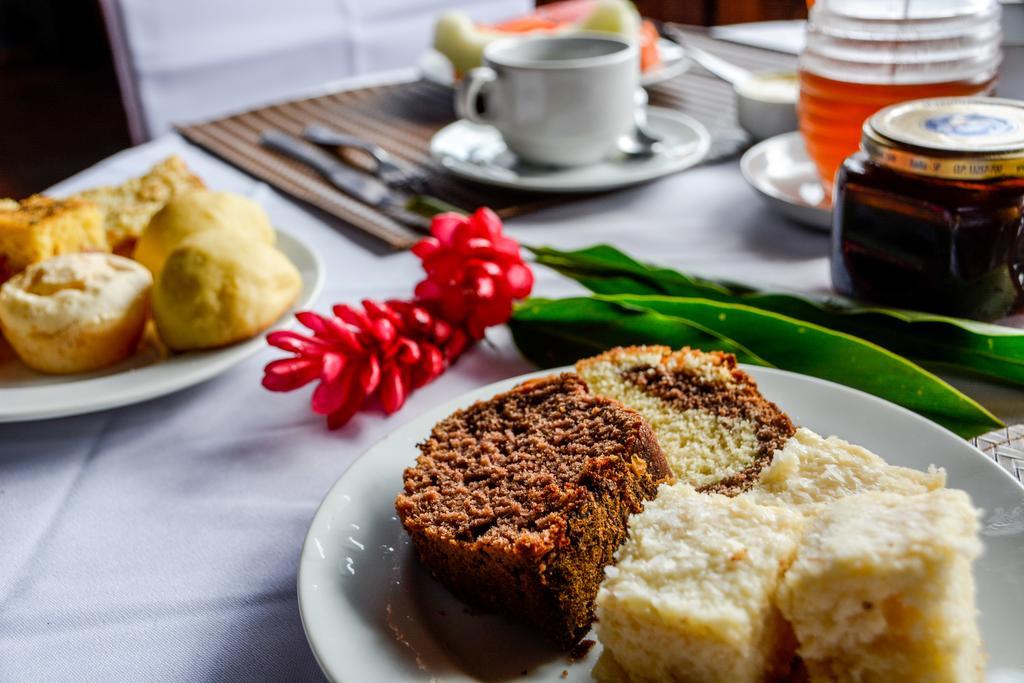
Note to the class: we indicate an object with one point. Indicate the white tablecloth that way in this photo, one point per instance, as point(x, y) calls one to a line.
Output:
point(161, 541)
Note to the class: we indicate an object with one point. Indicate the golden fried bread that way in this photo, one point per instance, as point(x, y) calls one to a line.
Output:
point(216, 289)
point(199, 211)
point(39, 227)
point(128, 207)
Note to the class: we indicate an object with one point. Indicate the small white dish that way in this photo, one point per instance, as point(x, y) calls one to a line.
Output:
point(766, 103)
point(765, 100)
point(477, 152)
point(372, 613)
point(28, 395)
point(780, 170)
point(434, 67)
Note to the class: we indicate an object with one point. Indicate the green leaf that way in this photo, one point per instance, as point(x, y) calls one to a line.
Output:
point(584, 328)
point(994, 351)
point(556, 332)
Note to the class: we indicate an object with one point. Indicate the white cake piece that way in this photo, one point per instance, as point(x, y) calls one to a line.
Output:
point(810, 470)
point(715, 427)
point(882, 590)
point(691, 596)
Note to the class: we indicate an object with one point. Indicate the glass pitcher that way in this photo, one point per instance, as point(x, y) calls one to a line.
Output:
point(863, 55)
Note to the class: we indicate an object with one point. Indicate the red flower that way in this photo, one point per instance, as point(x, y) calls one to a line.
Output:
point(386, 350)
point(474, 272)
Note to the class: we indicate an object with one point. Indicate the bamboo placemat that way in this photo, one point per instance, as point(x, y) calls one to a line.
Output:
point(403, 117)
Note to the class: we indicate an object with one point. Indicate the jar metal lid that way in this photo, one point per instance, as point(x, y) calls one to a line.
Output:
point(960, 138)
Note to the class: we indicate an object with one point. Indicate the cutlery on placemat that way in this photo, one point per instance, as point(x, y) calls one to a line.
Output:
point(389, 171)
point(365, 188)
point(722, 68)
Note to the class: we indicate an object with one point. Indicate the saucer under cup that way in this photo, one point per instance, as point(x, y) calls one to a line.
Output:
point(478, 153)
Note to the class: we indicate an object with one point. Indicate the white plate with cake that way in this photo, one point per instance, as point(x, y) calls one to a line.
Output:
point(510, 497)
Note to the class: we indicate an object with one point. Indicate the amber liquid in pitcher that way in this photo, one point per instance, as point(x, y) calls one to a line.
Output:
point(831, 113)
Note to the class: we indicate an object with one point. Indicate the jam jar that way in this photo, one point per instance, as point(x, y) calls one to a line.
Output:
point(928, 213)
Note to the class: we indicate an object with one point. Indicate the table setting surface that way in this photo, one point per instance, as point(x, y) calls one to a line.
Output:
point(161, 541)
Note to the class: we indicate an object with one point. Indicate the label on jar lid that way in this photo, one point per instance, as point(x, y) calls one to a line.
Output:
point(951, 137)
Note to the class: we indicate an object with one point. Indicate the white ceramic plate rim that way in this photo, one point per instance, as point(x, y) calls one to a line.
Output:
point(614, 177)
point(91, 394)
point(807, 214)
point(435, 67)
point(328, 627)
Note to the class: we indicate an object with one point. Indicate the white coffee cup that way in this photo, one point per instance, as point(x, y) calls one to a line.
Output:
point(556, 100)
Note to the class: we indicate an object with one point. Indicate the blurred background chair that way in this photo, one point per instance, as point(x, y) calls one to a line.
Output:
point(187, 60)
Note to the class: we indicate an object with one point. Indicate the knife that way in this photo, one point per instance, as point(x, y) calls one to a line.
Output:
point(386, 169)
point(366, 189)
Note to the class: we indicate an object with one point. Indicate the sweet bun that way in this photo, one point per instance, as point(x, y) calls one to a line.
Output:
point(199, 211)
point(218, 288)
point(76, 312)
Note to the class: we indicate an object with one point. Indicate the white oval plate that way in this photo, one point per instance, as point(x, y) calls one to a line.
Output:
point(780, 170)
point(477, 152)
point(27, 395)
point(371, 613)
point(435, 67)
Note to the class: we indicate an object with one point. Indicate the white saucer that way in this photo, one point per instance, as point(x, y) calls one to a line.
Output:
point(781, 171)
point(435, 67)
point(478, 153)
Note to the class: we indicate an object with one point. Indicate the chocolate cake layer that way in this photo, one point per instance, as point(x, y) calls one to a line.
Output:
point(518, 503)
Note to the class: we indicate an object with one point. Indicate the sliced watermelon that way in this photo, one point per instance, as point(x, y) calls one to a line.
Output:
point(463, 42)
point(566, 11)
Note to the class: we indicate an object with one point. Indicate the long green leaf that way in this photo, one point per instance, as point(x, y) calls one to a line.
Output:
point(554, 332)
point(995, 351)
point(585, 328)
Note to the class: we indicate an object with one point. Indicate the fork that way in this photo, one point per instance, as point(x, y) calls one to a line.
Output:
point(390, 172)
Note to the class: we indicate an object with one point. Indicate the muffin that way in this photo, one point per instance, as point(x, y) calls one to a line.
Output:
point(218, 288)
point(76, 312)
point(517, 504)
point(199, 211)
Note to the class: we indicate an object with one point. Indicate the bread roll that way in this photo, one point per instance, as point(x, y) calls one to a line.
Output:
point(200, 211)
point(218, 288)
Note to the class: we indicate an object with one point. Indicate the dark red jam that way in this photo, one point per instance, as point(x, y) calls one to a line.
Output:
point(931, 244)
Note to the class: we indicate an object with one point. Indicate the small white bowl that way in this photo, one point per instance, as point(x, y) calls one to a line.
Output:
point(766, 103)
